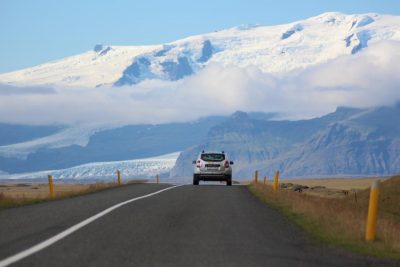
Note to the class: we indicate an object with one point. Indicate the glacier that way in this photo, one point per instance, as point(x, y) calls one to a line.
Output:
point(146, 168)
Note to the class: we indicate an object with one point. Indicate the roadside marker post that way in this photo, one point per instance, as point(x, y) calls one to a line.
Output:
point(118, 177)
point(51, 187)
point(256, 177)
point(158, 178)
point(370, 232)
point(265, 180)
point(276, 181)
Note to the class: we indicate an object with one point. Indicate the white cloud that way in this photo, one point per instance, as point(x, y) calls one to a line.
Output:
point(369, 78)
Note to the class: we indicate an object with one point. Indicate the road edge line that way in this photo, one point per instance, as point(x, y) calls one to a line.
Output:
point(50, 241)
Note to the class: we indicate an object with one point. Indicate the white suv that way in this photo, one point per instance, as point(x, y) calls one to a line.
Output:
point(212, 166)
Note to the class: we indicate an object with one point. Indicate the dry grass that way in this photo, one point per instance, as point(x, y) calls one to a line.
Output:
point(336, 183)
point(341, 221)
point(12, 195)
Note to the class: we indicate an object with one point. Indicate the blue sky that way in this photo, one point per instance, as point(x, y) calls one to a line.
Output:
point(36, 31)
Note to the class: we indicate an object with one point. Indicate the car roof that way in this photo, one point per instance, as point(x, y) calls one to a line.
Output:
point(212, 152)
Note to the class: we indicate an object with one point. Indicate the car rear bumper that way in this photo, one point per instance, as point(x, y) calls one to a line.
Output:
point(213, 177)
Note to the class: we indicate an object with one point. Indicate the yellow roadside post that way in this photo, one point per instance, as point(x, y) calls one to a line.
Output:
point(276, 181)
point(158, 178)
point(118, 177)
point(370, 232)
point(265, 180)
point(256, 177)
point(51, 187)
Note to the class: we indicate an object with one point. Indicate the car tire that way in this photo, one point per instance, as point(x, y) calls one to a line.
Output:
point(195, 180)
point(229, 180)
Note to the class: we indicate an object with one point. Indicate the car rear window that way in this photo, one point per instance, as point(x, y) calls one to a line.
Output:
point(212, 157)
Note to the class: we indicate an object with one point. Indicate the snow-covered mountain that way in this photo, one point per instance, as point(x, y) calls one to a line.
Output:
point(273, 49)
point(138, 168)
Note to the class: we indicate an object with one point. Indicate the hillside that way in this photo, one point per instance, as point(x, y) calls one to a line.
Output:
point(388, 201)
point(346, 142)
point(78, 146)
point(14, 133)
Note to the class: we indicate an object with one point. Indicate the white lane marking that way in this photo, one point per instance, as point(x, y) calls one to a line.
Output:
point(23, 254)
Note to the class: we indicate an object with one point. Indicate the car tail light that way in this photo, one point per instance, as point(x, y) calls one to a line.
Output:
point(226, 164)
point(198, 164)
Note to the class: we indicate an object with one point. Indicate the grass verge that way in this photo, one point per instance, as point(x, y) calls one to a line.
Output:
point(20, 198)
point(341, 222)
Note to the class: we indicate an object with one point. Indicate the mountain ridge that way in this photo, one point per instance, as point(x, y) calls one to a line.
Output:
point(273, 49)
point(347, 142)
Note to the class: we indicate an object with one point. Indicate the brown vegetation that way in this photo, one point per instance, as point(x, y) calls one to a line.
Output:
point(336, 183)
point(12, 195)
point(341, 221)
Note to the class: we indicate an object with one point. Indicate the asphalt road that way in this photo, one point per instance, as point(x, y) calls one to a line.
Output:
point(207, 225)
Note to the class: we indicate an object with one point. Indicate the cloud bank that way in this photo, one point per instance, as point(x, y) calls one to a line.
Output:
point(369, 78)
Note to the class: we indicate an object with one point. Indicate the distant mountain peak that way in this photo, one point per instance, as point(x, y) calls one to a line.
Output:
point(245, 27)
point(344, 109)
point(98, 47)
point(239, 115)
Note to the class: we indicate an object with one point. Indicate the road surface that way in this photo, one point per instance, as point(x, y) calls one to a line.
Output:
point(206, 225)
